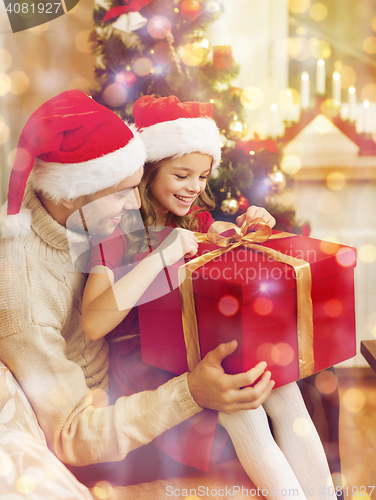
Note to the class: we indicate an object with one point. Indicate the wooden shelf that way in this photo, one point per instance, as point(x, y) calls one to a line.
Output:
point(368, 349)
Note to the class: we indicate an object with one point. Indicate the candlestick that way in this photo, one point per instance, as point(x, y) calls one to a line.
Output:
point(336, 88)
point(304, 90)
point(290, 102)
point(320, 77)
point(352, 104)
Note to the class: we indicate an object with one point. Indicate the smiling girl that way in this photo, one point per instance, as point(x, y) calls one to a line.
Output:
point(183, 145)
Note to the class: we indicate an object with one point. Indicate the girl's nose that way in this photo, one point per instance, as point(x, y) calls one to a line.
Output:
point(194, 186)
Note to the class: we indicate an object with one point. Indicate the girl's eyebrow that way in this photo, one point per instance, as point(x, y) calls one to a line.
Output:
point(186, 169)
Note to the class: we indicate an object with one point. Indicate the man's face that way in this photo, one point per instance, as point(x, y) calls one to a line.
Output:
point(101, 212)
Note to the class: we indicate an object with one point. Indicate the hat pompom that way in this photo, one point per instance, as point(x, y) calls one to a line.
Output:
point(15, 226)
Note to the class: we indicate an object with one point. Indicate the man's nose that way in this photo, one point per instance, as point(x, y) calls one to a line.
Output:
point(133, 201)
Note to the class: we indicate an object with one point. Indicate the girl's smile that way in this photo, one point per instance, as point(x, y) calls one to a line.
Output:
point(178, 184)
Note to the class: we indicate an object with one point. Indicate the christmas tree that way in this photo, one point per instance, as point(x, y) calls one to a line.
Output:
point(161, 48)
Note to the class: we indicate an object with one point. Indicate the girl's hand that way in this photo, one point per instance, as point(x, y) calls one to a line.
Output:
point(252, 213)
point(181, 242)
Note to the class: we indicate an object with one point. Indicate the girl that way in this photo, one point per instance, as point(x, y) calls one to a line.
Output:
point(183, 145)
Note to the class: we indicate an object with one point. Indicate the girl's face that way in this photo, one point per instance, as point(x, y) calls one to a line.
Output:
point(178, 183)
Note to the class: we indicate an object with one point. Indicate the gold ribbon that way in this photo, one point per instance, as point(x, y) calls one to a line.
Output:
point(263, 233)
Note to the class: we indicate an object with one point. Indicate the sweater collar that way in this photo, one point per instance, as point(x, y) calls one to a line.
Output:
point(53, 233)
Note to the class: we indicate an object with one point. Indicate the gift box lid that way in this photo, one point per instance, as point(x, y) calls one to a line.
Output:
point(243, 272)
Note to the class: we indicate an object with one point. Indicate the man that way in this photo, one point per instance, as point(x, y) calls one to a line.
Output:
point(77, 150)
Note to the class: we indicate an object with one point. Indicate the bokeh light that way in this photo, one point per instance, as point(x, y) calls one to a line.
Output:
point(40, 29)
point(348, 76)
point(143, 66)
point(318, 11)
point(329, 108)
point(369, 45)
point(252, 97)
point(291, 164)
point(299, 6)
point(328, 202)
point(286, 99)
point(19, 82)
point(159, 26)
point(369, 92)
point(264, 353)
point(102, 490)
point(4, 132)
point(371, 323)
point(298, 48)
point(326, 382)
point(11, 157)
point(6, 465)
point(353, 400)
point(228, 305)
point(161, 53)
point(5, 60)
point(339, 479)
point(263, 306)
point(24, 158)
point(320, 49)
point(282, 354)
point(82, 42)
point(80, 83)
point(5, 84)
point(336, 181)
point(367, 253)
point(196, 53)
point(346, 257)
point(333, 308)
point(373, 24)
point(115, 95)
point(329, 245)
point(301, 427)
point(25, 484)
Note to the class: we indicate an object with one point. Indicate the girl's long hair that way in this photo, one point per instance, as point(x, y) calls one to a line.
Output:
point(137, 242)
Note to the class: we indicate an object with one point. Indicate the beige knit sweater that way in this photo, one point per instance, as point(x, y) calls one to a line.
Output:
point(63, 374)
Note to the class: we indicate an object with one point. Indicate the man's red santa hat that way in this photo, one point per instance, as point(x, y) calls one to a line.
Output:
point(71, 146)
point(170, 128)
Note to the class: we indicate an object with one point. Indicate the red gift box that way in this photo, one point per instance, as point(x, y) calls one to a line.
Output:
point(247, 296)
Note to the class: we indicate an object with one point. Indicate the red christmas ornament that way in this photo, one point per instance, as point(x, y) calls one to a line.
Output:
point(243, 203)
point(189, 9)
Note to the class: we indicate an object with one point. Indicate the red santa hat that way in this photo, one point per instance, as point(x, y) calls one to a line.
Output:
point(170, 128)
point(71, 146)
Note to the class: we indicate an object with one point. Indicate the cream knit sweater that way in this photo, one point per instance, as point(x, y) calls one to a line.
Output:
point(63, 374)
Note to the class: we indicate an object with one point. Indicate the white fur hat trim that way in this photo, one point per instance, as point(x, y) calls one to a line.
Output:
point(182, 136)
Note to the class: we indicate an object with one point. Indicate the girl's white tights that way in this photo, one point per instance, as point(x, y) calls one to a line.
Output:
point(295, 461)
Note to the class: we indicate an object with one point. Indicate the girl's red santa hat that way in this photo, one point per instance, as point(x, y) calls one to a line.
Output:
point(171, 129)
point(71, 146)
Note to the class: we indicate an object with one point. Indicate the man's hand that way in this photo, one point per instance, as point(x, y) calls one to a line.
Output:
point(212, 388)
point(252, 213)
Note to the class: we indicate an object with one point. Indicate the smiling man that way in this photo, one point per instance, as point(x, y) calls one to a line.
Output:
point(76, 152)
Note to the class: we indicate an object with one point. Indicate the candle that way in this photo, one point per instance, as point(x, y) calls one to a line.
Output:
point(320, 77)
point(304, 90)
point(352, 104)
point(289, 102)
point(336, 88)
point(274, 109)
point(366, 117)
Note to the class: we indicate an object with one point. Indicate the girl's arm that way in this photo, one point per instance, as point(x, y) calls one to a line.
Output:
point(106, 303)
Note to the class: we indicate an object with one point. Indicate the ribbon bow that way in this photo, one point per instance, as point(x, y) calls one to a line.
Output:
point(240, 237)
point(129, 18)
